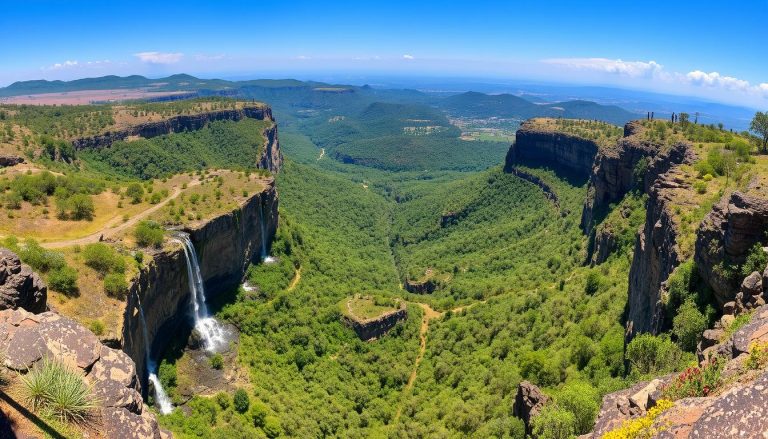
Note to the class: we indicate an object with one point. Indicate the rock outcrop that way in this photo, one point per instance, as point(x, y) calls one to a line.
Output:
point(529, 401)
point(655, 256)
point(20, 287)
point(378, 326)
point(112, 374)
point(736, 409)
point(225, 245)
point(271, 158)
point(10, 160)
point(536, 146)
point(724, 239)
point(613, 172)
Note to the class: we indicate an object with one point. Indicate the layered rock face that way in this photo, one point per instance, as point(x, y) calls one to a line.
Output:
point(20, 287)
point(533, 146)
point(725, 237)
point(31, 337)
point(613, 172)
point(271, 158)
point(737, 409)
point(225, 245)
point(529, 401)
point(656, 252)
point(376, 327)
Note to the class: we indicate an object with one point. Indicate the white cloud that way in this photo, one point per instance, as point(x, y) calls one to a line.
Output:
point(715, 79)
point(614, 66)
point(406, 56)
point(69, 64)
point(302, 57)
point(159, 57)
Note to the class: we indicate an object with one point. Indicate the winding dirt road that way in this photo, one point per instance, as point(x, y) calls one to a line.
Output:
point(116, 224)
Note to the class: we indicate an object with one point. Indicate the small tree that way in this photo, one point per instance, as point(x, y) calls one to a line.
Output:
point(135, 192)
point(241, 401)
point(759, 126)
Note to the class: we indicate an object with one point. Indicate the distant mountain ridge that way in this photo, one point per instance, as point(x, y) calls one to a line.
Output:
point(481, 105)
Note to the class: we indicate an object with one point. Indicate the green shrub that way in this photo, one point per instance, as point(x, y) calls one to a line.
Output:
point(115, 285)
point(103, 258)
point(757, 260)
point(258, 413)
point(97, 327)
point(688, 325)
point(592, 285)
point(222, 399)
point(758, 356)
point(582, 400)
point(695, 381)
point(554, 423)
point(648, 354)
point(700, 186)
point(241, 401)
point(39, 258)
point(217, 361)
point(63, 280)
point(52, 386)
point(135, 192)
point(149, 234)
point(166, 373)
point(272, 427)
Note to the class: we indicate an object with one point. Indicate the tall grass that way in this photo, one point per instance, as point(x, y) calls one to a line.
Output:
point(53, 388)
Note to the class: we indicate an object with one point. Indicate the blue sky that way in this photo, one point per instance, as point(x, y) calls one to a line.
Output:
point(709, 49)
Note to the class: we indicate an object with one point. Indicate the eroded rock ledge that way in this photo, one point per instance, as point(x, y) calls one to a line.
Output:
point(225, 245)
point(20, 287)
point(537, 146)
point(31, 337)
point(271, 159)
point(376, 327)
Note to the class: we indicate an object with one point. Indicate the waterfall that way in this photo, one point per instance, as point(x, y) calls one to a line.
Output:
point(265, 258)
point(161, 398)
point(211, 332)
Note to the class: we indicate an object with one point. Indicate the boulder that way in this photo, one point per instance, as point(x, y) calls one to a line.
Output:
point(739, 413)
point(752, 284)
point(640, 399)
point(528, 403)
point(20, 287)
point(10, 160)
point(729, 308)
point(110, 373)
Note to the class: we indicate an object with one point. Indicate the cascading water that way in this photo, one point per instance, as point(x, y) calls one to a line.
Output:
point(265, 258)
point(211, 332)
point(161, 398)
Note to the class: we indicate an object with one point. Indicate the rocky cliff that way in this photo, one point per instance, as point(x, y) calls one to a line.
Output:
point(538, 146)
point(656, 251)
point(613, 173)
point(725, 237)
point(271, 158)
point(735, 408)
point(225, 245)
point(376, 327)
point(29, 338)
point(20, 287)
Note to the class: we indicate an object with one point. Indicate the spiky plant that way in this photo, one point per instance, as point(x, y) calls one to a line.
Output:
point(53, 387)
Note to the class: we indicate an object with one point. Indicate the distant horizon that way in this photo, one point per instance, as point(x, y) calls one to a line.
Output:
point(704, 52)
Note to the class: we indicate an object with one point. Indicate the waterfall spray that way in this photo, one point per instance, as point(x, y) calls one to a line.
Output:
point(161, 398)
point(209, 329)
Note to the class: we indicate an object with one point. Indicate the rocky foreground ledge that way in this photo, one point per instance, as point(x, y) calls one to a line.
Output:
point(28, 338)
point(736, 409)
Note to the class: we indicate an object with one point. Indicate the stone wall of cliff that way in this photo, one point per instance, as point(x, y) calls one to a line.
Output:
point(271, 158)
point(225, 245)
point(375, 328)
point(724, 238)
point(534, 146)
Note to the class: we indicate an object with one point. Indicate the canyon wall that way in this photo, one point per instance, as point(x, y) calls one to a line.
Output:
point(271, 158)
point(656, 252)
point(724, 239)
point(226, 244)
point(376, 327)
point(535, 146)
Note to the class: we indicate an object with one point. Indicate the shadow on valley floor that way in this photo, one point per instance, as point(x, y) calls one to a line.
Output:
point(7, 424)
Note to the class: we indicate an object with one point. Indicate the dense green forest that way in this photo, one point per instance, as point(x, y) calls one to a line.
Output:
point(220, 144)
